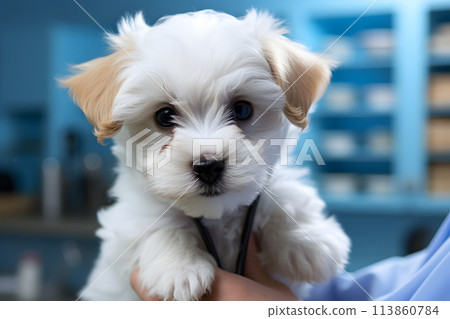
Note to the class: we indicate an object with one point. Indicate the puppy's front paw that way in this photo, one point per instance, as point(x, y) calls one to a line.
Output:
point(311, 253)
point(181, 281)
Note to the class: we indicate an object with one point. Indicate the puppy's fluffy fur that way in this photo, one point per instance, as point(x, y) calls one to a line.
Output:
point(199, 63)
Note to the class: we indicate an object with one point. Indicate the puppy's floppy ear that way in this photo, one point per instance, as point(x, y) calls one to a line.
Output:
point(94, 88)
point(302, 75)
point(95, 84)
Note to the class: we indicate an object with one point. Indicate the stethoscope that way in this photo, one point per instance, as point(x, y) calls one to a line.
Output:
point(245, 236)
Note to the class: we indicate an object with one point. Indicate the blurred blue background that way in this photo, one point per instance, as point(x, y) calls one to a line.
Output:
point(383, 128)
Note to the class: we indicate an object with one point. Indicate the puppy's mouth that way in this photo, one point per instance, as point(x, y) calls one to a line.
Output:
point(206, 190)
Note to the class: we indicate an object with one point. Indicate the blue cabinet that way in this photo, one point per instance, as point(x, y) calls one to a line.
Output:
point(371, 126)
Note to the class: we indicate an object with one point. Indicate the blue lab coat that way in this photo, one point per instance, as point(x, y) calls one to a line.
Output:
point(421, 276)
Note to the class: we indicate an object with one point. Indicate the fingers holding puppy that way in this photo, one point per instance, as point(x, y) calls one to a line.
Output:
point(257, 285)
point(141, 292)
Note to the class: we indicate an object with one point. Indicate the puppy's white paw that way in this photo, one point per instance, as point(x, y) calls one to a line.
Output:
point(311, 253)
point(180, 281)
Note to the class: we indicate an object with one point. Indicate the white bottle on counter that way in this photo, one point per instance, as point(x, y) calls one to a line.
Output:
point(29, 277)
point(51, 189)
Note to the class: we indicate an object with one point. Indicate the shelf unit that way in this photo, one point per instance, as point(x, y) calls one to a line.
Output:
point(377, 53)
point(438, 122)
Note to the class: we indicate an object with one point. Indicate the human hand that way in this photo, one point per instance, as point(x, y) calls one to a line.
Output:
point(256, 285)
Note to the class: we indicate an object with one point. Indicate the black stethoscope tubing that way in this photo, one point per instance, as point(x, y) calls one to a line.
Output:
point(245, 237)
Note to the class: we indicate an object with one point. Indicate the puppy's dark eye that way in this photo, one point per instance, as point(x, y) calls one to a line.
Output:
point(164, 117)
point(242, 110)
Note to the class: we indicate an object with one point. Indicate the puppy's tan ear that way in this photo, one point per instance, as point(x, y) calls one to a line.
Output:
point(302, 75)
point(96, 83)
point(93, 87)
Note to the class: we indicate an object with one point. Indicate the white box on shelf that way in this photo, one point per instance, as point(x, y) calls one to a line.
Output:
point(341, 50)
point(377, 42)
point(380, 97)
point(440, 40)
point(339, 143)
point(379, 141)
point(378, 184)
point(340, 183)
point(341, 97)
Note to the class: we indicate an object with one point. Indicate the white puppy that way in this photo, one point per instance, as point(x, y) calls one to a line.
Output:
point(204, 76)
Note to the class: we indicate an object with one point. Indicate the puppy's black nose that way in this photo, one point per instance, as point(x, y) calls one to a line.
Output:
point(209, 171)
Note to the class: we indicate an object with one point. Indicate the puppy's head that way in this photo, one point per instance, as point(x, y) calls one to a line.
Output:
point(204, 92)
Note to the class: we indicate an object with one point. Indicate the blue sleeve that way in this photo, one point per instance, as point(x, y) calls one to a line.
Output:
point(421, 276)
